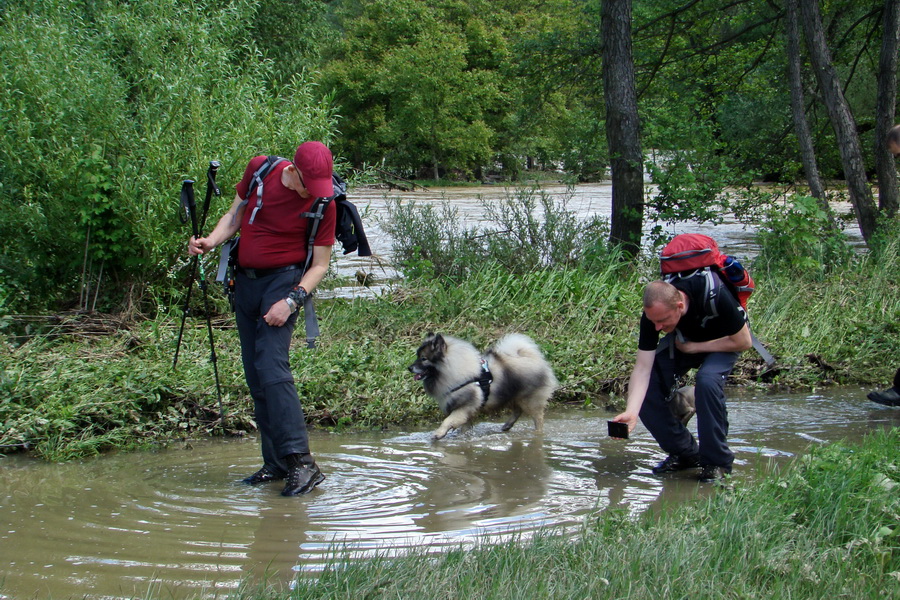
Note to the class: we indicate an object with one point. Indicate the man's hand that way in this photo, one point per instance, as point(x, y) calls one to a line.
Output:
point(738, 342)
point(628, 418)
point(199, 246)
point(686, 346)
point(278, 314)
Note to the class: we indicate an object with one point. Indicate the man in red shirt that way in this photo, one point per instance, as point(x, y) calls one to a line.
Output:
point(270, 285)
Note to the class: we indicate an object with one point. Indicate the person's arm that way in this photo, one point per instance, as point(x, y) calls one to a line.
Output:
point(279, 312)
point(737, 342)
point(227, 226)
point(637, 388)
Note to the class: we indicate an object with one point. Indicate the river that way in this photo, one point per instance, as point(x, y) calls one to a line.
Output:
point(585, 200)
point(177, 523)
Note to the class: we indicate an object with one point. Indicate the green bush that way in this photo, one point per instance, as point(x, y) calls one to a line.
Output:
point(801, 239)
point(106, 108)
point(527, 229)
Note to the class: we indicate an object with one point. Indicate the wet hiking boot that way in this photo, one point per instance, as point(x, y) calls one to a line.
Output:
point(888, 397)
point(264, 475)
point(712, 473)
point(303, 475)
point(674, 462)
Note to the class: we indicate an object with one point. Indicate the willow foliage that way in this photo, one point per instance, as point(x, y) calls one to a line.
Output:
point(107, 107)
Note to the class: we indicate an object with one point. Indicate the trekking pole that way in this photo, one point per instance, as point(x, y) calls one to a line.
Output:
point(190, 208)
point(187, 190)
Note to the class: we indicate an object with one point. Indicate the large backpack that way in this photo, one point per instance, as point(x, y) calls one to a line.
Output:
point(348, 231)
point(696, 255)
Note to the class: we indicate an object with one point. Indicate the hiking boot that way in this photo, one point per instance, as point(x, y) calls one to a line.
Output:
point(302, 479)
point(712, 473)
point(264, 475)
point(888, 397)
point(674, 462)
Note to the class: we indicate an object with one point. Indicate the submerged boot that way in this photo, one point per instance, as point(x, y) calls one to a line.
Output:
point(712, 474)
point(264, 475)
point(675, 462)
point(303, 475)
point(888, 397)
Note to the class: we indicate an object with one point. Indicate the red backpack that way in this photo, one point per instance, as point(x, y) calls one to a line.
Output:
point(692, 254)
point(698, 255)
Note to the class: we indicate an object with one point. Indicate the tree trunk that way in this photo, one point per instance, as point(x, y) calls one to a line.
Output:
point(801, 125)
point(622, 127)
point(841, 119)
point(885, 108)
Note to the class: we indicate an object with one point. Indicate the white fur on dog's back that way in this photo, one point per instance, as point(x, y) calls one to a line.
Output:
point(517, 344)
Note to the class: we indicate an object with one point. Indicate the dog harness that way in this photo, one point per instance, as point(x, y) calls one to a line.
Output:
point(483, 380)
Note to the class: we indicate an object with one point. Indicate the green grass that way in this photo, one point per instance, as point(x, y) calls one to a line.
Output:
point(69, 395)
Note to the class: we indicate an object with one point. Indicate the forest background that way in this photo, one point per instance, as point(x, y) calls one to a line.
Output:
point(108, 106)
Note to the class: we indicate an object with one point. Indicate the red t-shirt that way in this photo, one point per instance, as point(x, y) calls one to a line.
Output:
point(277, 236)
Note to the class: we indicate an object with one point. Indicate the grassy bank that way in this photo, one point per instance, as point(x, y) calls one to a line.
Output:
point(827, 527)
point(78, 388)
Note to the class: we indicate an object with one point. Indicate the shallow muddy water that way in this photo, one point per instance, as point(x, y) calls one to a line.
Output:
point(178, 524)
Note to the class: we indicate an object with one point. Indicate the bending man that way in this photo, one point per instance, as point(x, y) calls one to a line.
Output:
point(698, 337)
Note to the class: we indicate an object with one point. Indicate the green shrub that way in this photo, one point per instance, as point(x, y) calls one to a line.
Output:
point(527, 229)
point(106, 108)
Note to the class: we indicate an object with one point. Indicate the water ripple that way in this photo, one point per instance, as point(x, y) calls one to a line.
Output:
point(181, 520)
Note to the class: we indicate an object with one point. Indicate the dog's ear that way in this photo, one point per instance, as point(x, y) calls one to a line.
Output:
point(437, 342)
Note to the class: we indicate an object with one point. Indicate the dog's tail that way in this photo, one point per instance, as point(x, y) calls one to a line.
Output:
point(516, 344)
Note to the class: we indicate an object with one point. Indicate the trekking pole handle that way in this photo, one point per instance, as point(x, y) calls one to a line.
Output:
point(211, 188)
point(211, 177)
point(189, 205)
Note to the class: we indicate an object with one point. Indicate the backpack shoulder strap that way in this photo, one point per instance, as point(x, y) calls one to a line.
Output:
point(710, 292)
point(256, 183)
point(315, 215)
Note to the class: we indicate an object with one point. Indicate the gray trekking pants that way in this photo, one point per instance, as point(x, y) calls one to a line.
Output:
point(712, 416)
point(264, 353)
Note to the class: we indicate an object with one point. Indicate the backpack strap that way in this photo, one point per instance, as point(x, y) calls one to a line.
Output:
point(256, 184)
point(710, 289)
point(315, 215)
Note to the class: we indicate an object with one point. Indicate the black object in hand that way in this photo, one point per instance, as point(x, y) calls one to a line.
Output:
point(618, 430)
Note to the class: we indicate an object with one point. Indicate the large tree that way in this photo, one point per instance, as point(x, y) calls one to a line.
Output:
point(419, 84)
point(798, 111)
point(842, 120)
point(885, 107)
point(622, 125)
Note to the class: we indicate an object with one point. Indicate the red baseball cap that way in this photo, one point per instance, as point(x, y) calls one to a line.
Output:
point(315, 163)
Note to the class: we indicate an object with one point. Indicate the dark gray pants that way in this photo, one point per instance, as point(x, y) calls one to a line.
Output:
point(264, 353)
point(712, 416)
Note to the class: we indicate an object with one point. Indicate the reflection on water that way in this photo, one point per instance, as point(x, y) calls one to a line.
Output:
point(178, 522)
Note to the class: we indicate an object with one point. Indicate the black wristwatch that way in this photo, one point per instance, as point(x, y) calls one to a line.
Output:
point(296, 298)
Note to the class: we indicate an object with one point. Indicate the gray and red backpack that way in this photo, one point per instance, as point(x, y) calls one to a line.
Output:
point(696, 255)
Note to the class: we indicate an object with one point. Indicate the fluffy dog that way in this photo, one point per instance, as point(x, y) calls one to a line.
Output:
point(512, 374)
point(682, 403)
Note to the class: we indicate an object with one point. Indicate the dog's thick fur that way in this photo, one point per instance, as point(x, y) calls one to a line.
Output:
point(522, 379)
point(682, 403)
